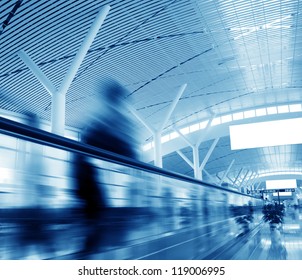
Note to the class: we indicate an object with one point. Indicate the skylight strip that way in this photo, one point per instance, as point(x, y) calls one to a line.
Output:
point(231, 117)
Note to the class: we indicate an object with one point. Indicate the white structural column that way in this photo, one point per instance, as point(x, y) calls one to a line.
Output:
point(236, 179)
point(250, 180)
point(173, 105)
point(58, 108)
point(210, 176)
point(140, 118)
point(197, 173)
point(157, 133)
point(258, 185)
point(205, 131)
point(37, 72)
point(185, 159)
point(158, 160)
point(59, 96)
point(226, 172)
point(253, 181)
point(243, 179)
point(157, 136)
point(210, 151)
point(195, 150)
point(198, 168)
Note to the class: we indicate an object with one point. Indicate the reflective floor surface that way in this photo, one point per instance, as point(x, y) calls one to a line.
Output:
point(146, 235)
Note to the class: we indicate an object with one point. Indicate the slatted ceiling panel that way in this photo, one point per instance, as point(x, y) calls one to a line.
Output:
point(134, 60)
point(153, 47)
point(6, 5)
point(30, 14)
point(139, 19)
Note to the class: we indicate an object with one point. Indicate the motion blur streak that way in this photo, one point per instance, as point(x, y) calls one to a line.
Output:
point(147, 215)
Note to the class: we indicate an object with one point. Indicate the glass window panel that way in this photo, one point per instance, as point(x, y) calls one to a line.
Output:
point(203, 124)
point(271, 110)
point(295, 108)
point(165, 138)
point(185, 130)
point(226, 118)
point(147, 147)
point(194, 127)
point(249, 114)
point(283, 109)
point(238, 116)
point(215, 121)
point(260, 112)
point(174, 135)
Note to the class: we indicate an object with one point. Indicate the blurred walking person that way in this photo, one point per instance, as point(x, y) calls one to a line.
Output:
point(108, 128)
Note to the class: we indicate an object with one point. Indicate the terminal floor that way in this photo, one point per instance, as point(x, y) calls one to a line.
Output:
point(262, 245)
point(145, 237)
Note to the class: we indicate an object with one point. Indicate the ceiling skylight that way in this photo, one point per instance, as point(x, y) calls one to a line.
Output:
point(228, 118)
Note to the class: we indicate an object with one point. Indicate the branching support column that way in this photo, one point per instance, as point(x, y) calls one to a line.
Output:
point(59, 96)
point(197, 172)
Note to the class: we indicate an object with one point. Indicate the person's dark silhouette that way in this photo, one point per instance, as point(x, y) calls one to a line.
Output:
point(108, 128)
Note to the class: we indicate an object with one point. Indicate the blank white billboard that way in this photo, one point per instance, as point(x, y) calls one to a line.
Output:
point(281, 184)
point(283, 194)
point(265, 134)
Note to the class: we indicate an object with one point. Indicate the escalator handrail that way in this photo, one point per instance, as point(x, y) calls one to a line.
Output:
point(32, 134)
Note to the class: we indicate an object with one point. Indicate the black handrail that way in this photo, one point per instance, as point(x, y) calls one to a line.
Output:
point(32, 134)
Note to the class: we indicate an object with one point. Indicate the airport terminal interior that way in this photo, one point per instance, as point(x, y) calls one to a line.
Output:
point(150, 130)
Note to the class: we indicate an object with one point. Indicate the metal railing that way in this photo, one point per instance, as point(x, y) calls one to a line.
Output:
point(32, 134)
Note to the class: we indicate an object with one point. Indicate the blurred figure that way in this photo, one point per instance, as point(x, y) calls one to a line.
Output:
point(277, 250)
point(33, 239)
point(28, 165)
point(33, 167)
point(168, 209)
point(107, 128)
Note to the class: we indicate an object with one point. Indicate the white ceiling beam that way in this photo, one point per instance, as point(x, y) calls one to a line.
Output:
point(249, 179)
point(59, 95)
point(231, 179)
point(197, 173)
point(184, 137)
point(204, 133)
point(210, 151)
point(172, 107)
point(258, 185)
point(158, 132)
point(141, 119)
point(209, 175)
point(184, 157)
point(48, 85)
point(226, 172)
point(254, 179)
point(243, 178)
point(237, 177)
point(76, 63)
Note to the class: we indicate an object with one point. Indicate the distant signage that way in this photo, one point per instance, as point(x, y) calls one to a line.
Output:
point(277, 190)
